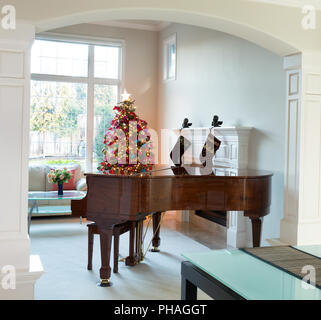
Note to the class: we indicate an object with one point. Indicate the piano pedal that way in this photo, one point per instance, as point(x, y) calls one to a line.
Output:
point(104, 283)
point(155, 249)
point(138, 260)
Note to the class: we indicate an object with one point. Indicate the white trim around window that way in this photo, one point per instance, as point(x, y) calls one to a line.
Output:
point(170, 58)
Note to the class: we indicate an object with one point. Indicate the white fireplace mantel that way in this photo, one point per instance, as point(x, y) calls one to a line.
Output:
point(233, 154)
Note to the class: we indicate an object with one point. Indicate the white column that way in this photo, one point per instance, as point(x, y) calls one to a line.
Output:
point(14, 147)
point(292, 66)
point(302, 217)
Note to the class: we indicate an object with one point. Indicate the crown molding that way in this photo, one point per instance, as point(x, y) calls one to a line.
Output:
point(133, 25)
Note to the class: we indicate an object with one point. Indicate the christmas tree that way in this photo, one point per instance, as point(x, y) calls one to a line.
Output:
point(127, 144)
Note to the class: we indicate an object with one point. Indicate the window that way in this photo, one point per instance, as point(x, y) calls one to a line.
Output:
point(75, 86)
point(106, 62)
point(170, 58)
point(58, 119)
point(60, 58)
point(105, 100)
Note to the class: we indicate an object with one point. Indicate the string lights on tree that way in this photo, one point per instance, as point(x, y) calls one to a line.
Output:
point(127, 144)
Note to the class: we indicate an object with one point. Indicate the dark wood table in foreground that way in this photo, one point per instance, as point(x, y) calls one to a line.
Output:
point(193, 278)
point(113, 199)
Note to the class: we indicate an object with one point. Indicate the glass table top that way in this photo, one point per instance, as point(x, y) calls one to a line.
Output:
point(315, 250)
point(252, 278)
point(53, 195)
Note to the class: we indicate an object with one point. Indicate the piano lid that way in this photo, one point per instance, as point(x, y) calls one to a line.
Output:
point(160, 171)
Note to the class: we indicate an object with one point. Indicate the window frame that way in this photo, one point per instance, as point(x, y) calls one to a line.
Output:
point(167, 42)
point(90, 80)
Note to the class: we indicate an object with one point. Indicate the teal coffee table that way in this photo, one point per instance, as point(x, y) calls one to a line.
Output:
point(35, 196)
point(236, 274)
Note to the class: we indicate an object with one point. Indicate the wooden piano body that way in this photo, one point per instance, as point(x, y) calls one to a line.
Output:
point(113, 199)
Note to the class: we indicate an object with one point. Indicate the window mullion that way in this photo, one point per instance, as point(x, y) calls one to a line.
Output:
point(90, 111)
point(58, 78)
point(108, 82)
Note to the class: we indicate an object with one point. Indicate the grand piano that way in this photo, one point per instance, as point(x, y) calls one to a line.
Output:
point(114, 199)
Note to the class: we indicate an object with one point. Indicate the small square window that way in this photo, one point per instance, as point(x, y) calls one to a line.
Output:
point(169, 45)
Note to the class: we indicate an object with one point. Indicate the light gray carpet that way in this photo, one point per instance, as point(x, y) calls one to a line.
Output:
point(62, 246)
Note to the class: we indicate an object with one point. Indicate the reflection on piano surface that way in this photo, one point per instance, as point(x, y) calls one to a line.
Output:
point(113, 199)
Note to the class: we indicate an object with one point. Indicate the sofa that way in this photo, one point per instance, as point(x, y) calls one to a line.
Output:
point(38, 181)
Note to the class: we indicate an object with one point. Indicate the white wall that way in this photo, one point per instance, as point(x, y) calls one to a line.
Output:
point(239, 81)
point(140, 65)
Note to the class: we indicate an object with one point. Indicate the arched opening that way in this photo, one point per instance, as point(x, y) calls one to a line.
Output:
point(192, 20)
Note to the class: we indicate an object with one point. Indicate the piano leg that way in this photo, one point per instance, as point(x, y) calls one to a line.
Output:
point(131, 260)
point(256, 230)
point(139, 240)
point(116, 249)
point(90, 246)
point(106, 235)
point(156, 230)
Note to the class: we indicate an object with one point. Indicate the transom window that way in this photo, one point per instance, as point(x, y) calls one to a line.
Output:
point(74, 88)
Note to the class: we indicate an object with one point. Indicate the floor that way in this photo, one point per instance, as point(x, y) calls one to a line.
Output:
point(62, 246)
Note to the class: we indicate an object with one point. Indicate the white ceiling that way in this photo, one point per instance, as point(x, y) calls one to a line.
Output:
point(150, 25)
